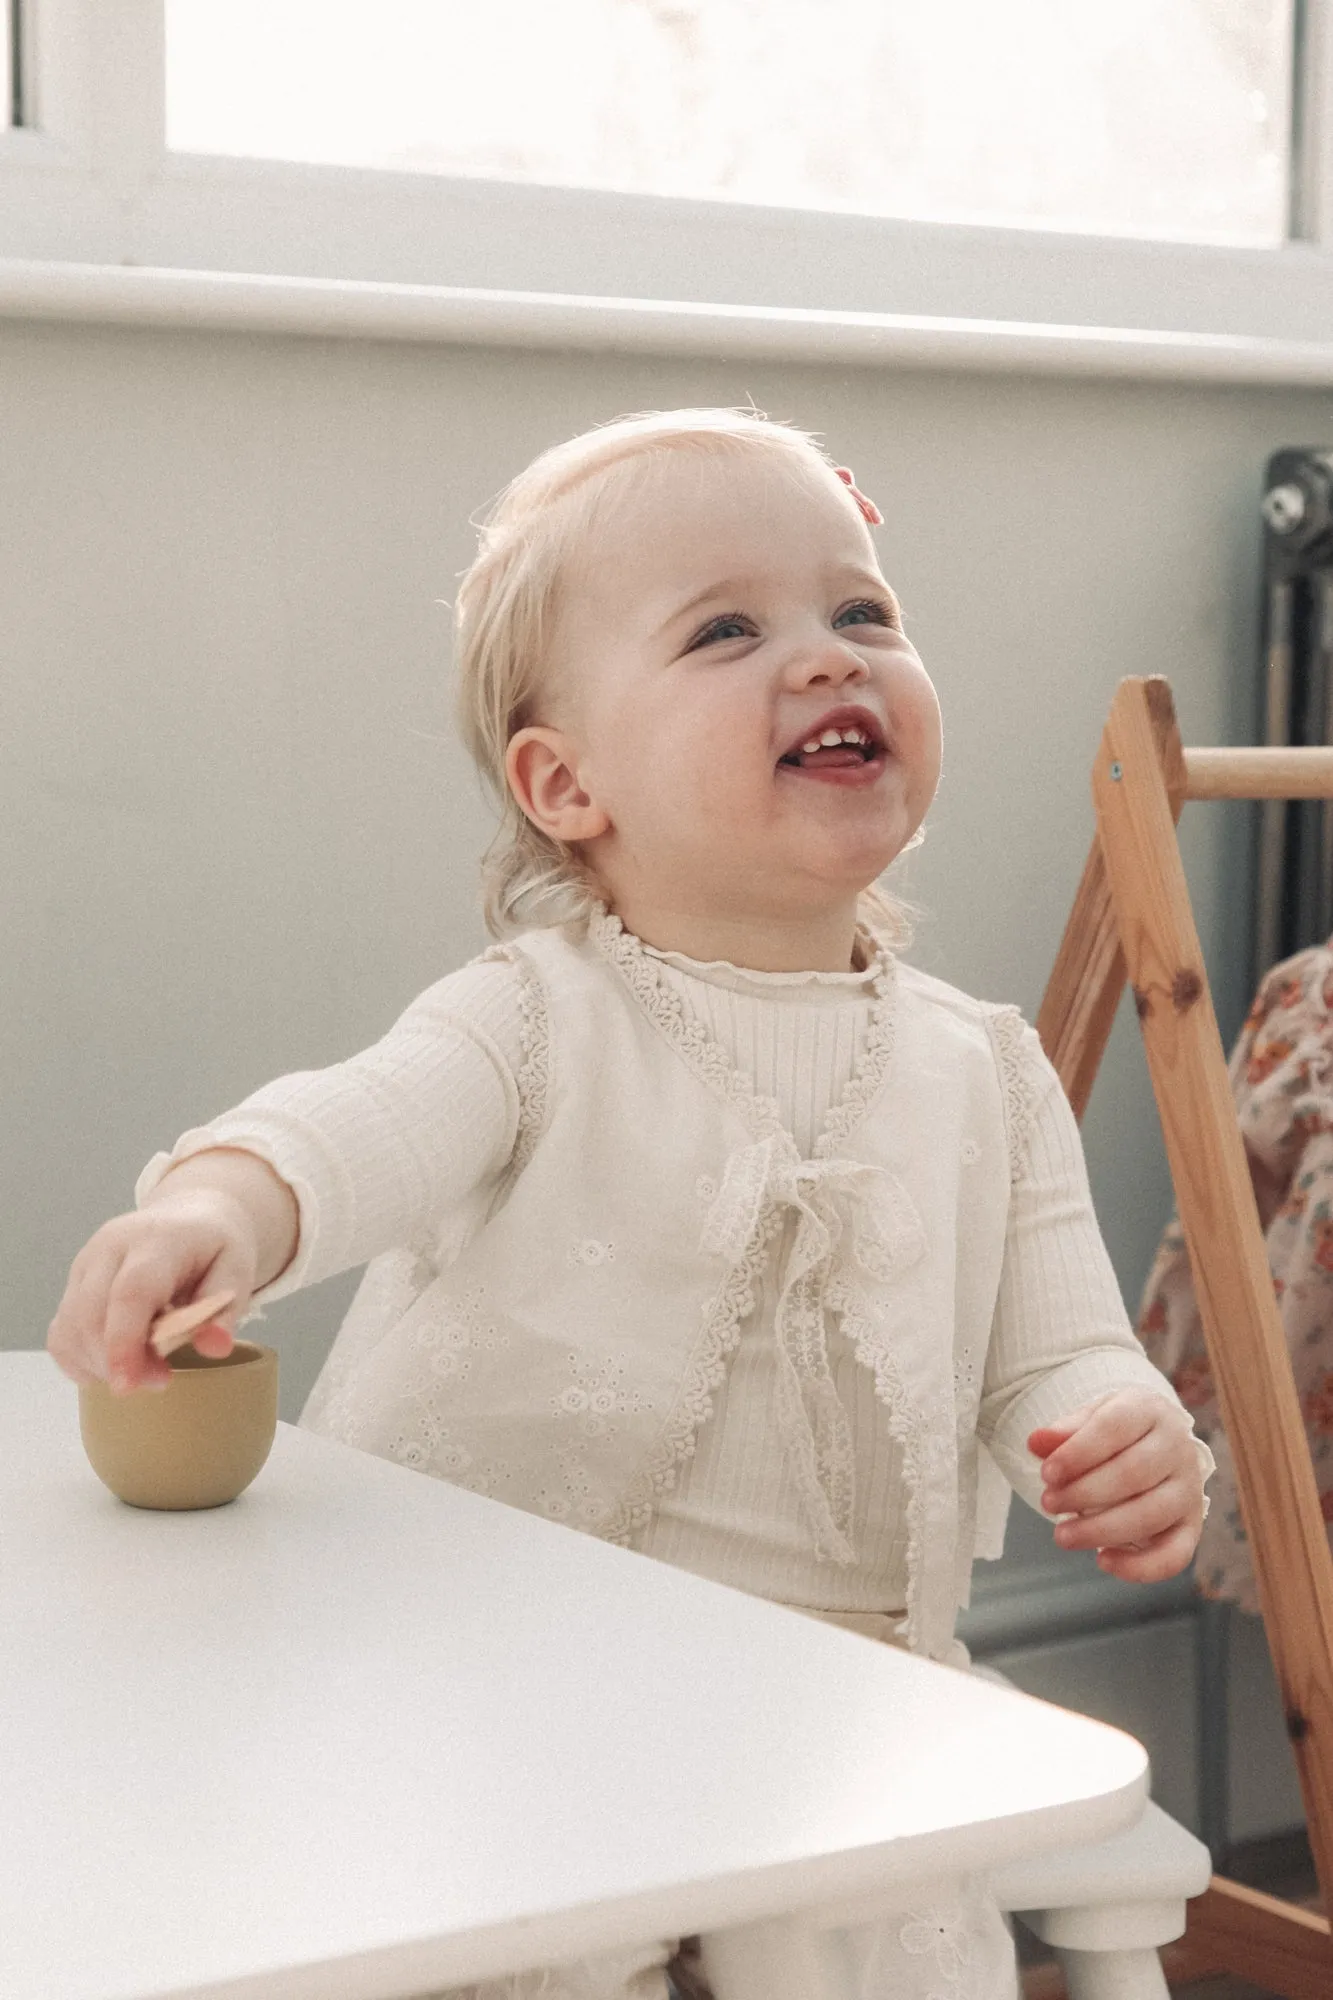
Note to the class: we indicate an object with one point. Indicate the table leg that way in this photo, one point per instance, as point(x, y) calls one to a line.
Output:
point(777, 1959)
point(1113, 1975)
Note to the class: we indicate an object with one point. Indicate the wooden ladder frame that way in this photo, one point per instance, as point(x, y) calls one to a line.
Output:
point(1132, 919)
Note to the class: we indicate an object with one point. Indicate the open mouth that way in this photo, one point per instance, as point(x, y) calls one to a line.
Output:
point(847, 749)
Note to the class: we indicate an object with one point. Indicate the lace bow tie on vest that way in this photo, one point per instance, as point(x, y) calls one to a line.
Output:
point(842, 1207)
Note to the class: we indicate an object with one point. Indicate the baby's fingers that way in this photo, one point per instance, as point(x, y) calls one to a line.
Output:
point(214, 1341)
point(1137, 1520)
point(1137, 1469)
point(74, 1337)
point(1165, 1555)
point(140, 1290)
point(1109, 1427)
point(1049, 1437)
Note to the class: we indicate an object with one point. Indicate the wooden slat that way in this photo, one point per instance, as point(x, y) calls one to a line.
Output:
point(1280, 1946)
point(171, 1330)
point(1254, 773)
point(1083, 992)
point(1229, 1264)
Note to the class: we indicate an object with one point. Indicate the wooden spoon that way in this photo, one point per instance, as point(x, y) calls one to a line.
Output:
point(173, 1329)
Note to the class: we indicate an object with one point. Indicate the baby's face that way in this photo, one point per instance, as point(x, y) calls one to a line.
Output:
point(728, 609)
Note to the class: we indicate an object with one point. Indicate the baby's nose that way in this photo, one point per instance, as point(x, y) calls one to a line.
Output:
point(831, 661)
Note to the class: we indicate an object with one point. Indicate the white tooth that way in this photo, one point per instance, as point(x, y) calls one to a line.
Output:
point(815, 743)
point(854, 736)
point(830, 737)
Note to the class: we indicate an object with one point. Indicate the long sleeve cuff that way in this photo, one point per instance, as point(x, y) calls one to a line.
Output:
point(315, 1253)
point(1085, 1378)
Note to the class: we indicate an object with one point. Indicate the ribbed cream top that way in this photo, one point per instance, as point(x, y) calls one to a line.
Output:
point(735, 1514)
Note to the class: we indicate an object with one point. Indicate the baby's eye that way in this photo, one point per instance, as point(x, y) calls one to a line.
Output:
point(717, 628)
point(736, 624)
point(878, 611)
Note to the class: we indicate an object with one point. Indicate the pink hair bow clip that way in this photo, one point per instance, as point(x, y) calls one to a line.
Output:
point(868, 507)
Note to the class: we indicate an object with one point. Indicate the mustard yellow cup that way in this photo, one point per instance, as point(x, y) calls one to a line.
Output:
point(197, 1443)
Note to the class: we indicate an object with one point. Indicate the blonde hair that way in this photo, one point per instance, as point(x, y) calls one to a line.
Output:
point(505, 614)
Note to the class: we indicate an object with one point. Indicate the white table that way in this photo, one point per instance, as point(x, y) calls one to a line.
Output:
point(362, 1733)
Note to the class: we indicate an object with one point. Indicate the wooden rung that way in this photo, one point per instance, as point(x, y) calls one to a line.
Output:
point(1280, 1946)
point(1259, 774)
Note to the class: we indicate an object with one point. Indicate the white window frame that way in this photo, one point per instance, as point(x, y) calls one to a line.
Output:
point(92, 194)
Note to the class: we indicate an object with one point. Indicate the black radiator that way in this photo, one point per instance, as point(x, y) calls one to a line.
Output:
point(1294, 886)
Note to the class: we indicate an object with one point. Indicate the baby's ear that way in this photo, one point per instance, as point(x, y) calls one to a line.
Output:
point(541, 766)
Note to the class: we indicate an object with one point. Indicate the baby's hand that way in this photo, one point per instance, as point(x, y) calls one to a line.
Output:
point(1127, 1467)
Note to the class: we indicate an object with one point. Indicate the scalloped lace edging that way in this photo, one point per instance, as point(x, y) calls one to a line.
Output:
point(712, 1064)
point(916, 1429)
point(734, 1299)
point(881, 1040)
point(664, 1007)
point(1019, 1085)
point(534, 1072)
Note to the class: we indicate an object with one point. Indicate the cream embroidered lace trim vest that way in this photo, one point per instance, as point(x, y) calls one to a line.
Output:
point(560, 1350)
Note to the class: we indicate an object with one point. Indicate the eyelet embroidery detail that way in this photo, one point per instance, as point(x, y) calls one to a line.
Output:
point(576, 1502)
point(591, 1253)
point(595, 1395)
point(589, 1403)
point(424, 1445)
point(945, 1937)
point(451, 1337)
point(940, 1933)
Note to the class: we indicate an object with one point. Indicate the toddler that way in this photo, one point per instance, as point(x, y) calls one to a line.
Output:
point(693, 1216)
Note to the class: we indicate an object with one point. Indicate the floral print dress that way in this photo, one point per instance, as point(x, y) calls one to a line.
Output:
point(1281, 1072)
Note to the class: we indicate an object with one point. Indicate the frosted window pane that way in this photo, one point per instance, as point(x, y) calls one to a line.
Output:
point(1142, 117)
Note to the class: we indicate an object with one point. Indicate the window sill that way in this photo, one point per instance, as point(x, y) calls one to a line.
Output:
point(456, 316)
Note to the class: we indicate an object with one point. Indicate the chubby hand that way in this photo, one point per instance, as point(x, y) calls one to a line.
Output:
point(1127, 1468)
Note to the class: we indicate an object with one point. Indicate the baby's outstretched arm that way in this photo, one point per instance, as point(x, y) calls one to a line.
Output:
point(1126, 1468)
point(312, 1174)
